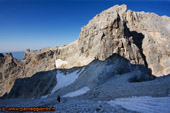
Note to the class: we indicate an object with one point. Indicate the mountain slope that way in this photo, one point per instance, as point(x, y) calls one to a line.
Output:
point(112, 78)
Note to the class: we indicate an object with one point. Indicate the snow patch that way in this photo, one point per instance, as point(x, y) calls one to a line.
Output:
point(44, 96)
point(144, 104)
point(60, 62)
point(77, 92)
point(65, 80)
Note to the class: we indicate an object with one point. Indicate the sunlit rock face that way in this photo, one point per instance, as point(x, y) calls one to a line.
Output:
point(156, 39)
point(107, 33)
point(142, 38)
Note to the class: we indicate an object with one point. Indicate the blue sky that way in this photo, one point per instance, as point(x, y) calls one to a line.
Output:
point(37, 24)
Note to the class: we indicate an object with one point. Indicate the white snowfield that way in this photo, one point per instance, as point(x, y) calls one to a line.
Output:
point(60, 62)
point(65, 80)
point(44, 96)
point(77, 92)
point(144, 104)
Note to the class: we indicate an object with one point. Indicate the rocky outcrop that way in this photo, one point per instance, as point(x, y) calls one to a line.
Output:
point(156, 39)
point(33, 87)
point(107, 34)
point(10, 69)
point(142, 38)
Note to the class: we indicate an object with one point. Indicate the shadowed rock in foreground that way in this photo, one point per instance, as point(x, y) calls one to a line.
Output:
point(112, 78)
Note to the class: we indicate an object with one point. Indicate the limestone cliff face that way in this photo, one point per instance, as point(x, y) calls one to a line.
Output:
point(142, 38)
point(107, 33)
point(156, 42)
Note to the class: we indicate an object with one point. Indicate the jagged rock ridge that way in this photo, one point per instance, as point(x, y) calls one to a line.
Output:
point(91, 76)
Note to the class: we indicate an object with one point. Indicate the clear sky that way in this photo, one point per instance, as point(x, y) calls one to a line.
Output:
point(37, 24)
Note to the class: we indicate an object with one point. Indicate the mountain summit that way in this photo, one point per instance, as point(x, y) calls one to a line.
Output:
point(142, 38)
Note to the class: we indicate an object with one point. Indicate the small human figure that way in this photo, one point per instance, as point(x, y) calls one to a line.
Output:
point(59, 98)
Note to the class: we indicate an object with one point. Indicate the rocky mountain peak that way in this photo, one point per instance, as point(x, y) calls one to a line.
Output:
point(105, 18)
point(107, 33)
point(8, 56)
